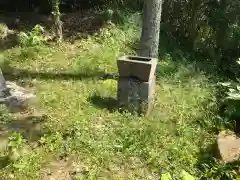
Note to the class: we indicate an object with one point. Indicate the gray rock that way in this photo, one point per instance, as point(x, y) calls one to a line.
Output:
point(228, 146)
point(19, 98)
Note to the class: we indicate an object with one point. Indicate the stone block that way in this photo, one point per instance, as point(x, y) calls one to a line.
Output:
point(142, 68)
point(228, 146)
point(135, 95)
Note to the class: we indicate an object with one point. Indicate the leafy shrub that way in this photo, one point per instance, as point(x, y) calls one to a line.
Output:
point(16, 141)
point(232, 98)
point(217, 170)
point(130, 4)
point(3, 30)
point(32, 38)
point(205, 26)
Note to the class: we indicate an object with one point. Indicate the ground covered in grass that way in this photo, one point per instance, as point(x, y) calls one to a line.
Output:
point(85, 137)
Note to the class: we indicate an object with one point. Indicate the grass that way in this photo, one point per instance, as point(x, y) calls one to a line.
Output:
point(104, 144)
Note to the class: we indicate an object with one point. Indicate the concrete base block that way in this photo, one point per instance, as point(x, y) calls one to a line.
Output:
point(135, 95)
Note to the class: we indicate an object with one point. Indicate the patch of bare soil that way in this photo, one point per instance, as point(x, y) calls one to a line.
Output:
point(57, 170)
point(64, 169)
point(27, 123)
point(75, 25)
point(81, 23)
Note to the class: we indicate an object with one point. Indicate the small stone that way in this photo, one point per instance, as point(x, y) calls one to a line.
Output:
point(228, 146)
point(77, 170)
point(11, 176)
point(49, 173)
point(66, 159)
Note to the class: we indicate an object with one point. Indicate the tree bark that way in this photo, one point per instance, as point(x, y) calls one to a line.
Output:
point(57, 19)
point(58, 27)
point(149, 42)
point(4, 91)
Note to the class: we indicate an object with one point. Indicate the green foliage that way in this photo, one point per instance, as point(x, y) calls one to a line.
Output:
point(186, 176)
point(233, 90)
point(32, 38)
point(209, 27)
point(216, 170)
point(232, 98)
point(16, 141)
point(124, 4)
point(166, 176)
point(52, 143)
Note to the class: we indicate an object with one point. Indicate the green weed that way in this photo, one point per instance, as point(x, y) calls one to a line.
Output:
point(32, 38)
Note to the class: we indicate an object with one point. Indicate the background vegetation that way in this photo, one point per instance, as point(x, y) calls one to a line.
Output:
point(75, 82)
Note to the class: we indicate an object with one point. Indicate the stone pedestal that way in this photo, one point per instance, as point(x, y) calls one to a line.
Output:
point(136, 83)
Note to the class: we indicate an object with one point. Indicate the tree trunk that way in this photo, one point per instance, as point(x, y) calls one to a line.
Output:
point(4, 91)
point(58, 27)
point(57, 20)
point(149, 41)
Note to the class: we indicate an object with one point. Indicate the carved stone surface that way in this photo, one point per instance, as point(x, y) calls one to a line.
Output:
point(142, 68)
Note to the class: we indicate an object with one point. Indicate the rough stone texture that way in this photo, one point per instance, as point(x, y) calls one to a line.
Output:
point(136, 84)
point(140, 67)
point(147, 93)
point(135, 95)
point(228, 147)
point(19, 99)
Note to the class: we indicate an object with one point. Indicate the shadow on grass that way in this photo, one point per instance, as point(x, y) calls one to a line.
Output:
point(16, 74)
point(4, 161)
point(29, 125)
point(108, 103)
point(111, 104)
